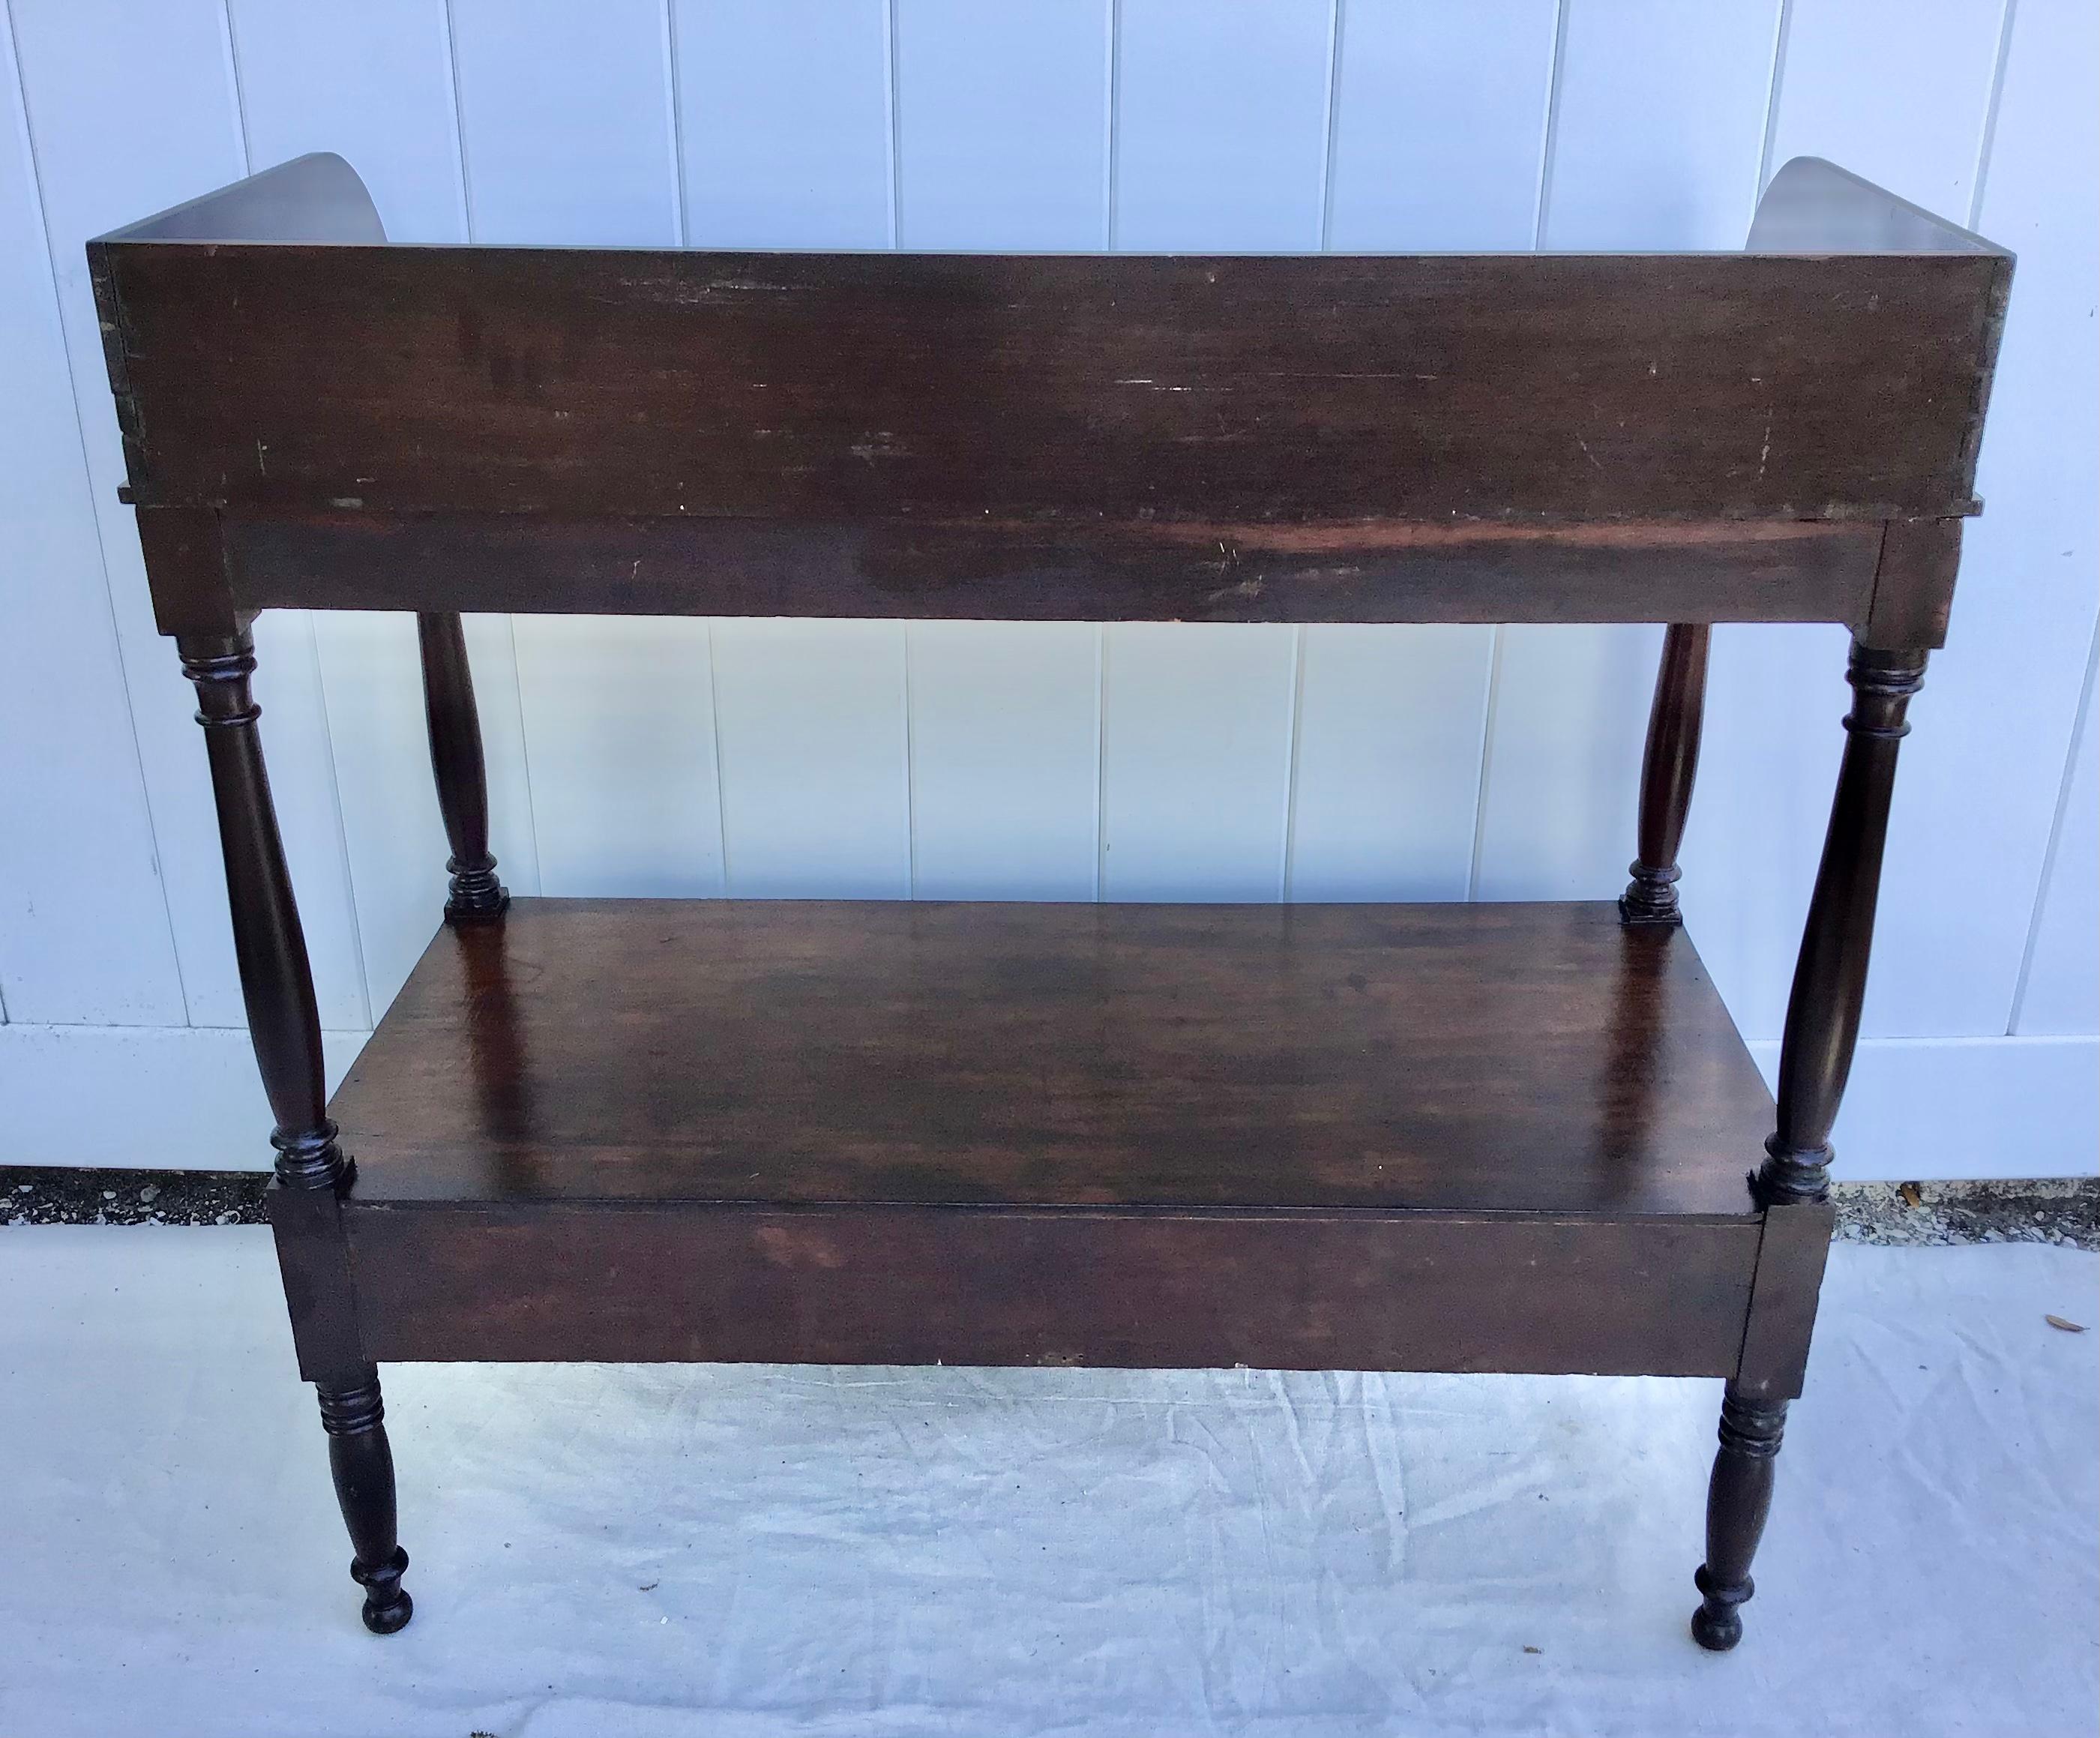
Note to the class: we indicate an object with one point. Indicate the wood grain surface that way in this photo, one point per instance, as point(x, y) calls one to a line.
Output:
point(1028, 389)
point(1505, 1057)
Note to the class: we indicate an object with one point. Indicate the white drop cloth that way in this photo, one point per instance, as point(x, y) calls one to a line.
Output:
point(651, 1549)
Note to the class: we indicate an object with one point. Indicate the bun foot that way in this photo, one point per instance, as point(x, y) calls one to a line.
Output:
point(387, 1606)
point(1717, 1625)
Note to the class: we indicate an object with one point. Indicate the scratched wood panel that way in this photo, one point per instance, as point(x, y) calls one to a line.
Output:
point(131, 111)
point(1571, 704)
point(373, 83)
point(75, 947)
point(785, 122)
point(1904, 96)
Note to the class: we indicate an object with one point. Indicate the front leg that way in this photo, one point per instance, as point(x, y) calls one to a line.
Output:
point(362, 1465)
point(1737, 1501)
point(284, 1024)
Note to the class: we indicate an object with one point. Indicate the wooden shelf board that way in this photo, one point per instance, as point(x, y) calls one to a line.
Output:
point(1478, 1058)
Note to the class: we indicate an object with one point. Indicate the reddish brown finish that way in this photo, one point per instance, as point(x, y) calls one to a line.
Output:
point(1517, 1057)
point(1069, 1286)
point(1158, 571)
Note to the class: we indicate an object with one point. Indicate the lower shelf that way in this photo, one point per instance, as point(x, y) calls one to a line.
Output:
point(1435, 1137)
point(1527, 1058)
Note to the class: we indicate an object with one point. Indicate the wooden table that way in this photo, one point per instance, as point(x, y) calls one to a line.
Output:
point(1429, 1137)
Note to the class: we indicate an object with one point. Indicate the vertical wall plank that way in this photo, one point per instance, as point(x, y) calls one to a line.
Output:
point(84, 933)
point(373, 82)
point(1440, 124)
point(1439, 127)
point(1910, 101)
point(1390, 723)
point(1978, 795)
point(1005, 760)
point(616, 713)
point(1662, 123)
point(1656, 141)
point(1195, 761)
point(372, 676)
point(2060, 993)
point(130, 110)
point(785, 116)
point(370, 80)
point(1002, 117)
point(785, 120)
point(1559, 792)
point(565, 122)
point(810, 730)
point(1860, 79)
point(1221, 124)
point(625, 775)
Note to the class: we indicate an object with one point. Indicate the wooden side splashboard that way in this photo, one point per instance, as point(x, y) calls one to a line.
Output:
point(1521, 1137)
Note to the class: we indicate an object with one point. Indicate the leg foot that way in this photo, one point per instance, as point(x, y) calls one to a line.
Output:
point(387, 1607)
point(1737, 1501)
point(363, 1466)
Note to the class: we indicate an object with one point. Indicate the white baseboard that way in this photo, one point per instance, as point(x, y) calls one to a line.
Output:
point(187, 1097)
point(1925, 1108)
point(183, 1097)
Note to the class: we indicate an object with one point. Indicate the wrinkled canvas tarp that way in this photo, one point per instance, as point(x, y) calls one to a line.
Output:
point(741, 1551)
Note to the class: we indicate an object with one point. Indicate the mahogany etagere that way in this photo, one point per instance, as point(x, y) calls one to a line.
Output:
point(1454, 1137)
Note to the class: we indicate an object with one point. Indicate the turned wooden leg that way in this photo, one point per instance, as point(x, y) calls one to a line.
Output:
point(1668, 767)
point(456, 759)
point(1830, 978)
point(1737, 1501)
point(284, 1022)
point(1816, 1058)
point(363, 1466)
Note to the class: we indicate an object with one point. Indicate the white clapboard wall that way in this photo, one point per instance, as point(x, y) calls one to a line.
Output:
point(1057, 761)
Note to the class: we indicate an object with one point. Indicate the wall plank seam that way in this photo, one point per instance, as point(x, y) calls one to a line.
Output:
point(1990, 129)
point(2066, 789)
point(80, 435)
